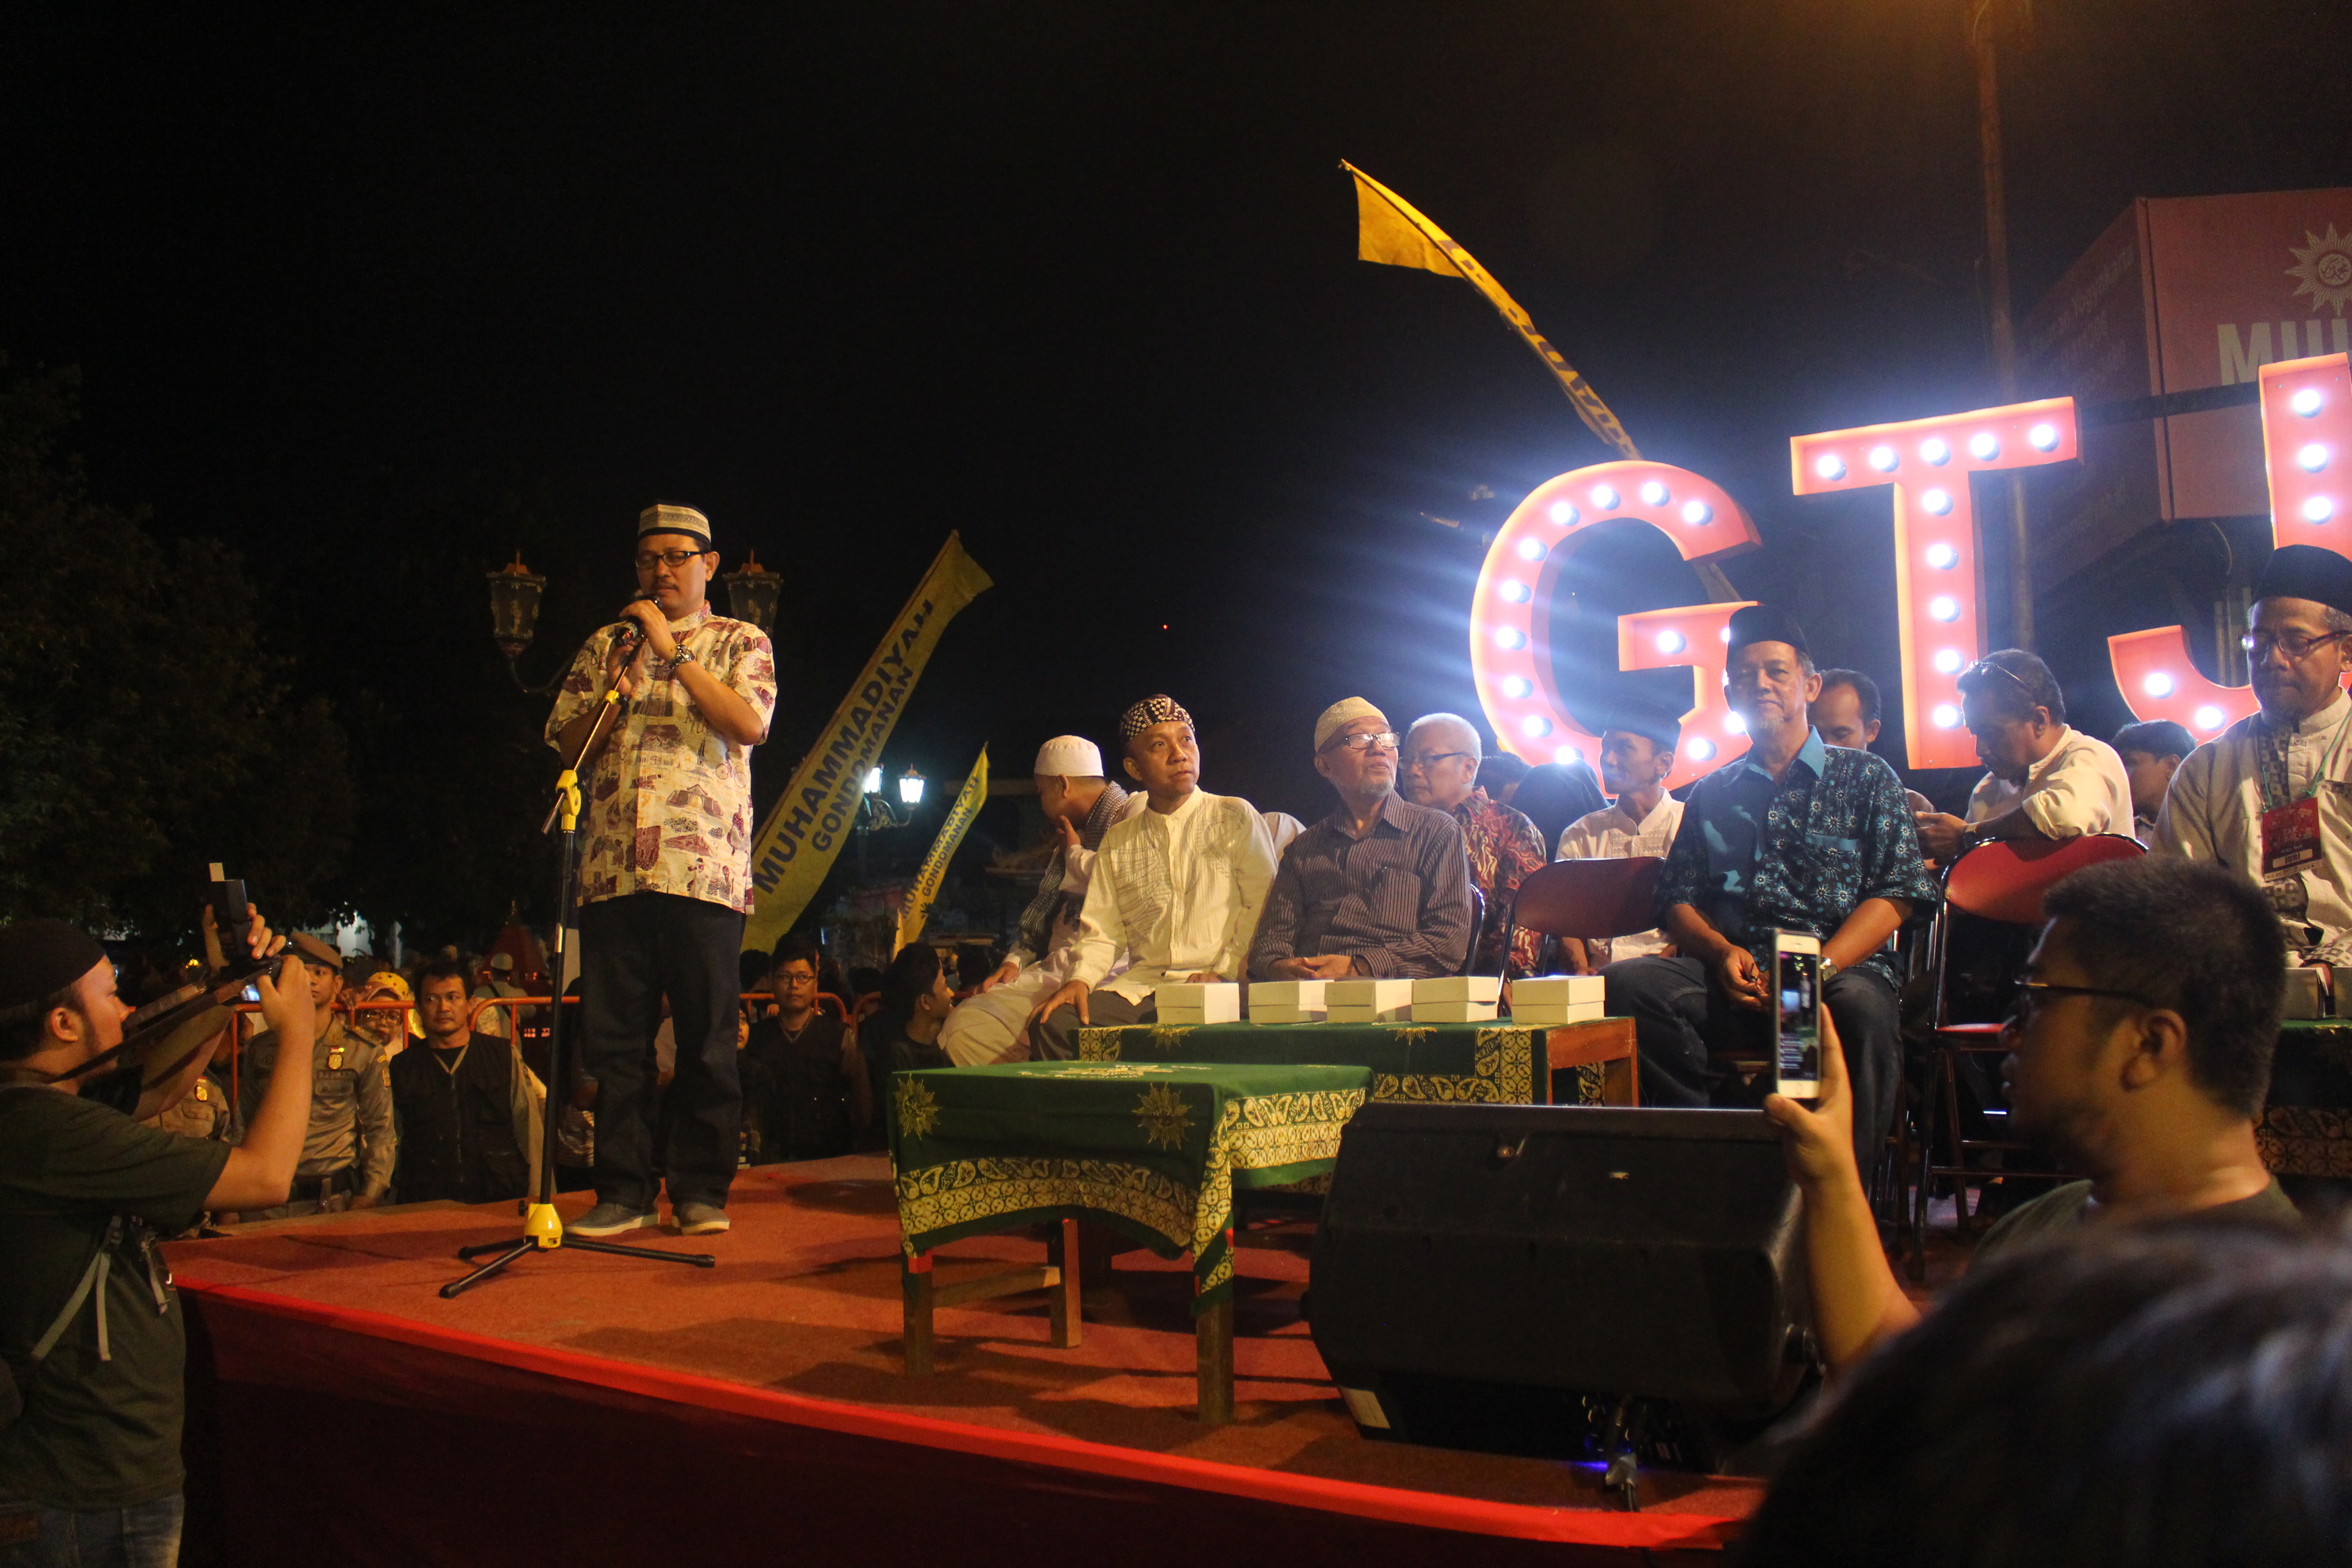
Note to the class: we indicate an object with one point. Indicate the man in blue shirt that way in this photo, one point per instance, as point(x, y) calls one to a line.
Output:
point(1795, 836)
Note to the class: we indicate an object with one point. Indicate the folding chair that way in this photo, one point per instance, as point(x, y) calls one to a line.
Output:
point(1587, 900)
point(2002, 880)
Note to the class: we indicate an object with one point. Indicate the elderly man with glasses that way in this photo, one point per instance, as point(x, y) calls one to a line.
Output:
point(2272, 794)
point(1379, 888)
point(1439, 768)
point(2042, 779)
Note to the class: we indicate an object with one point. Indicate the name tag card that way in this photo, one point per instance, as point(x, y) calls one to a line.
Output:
point(2290, 836)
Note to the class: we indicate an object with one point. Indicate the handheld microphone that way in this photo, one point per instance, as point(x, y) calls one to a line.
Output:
point(632, 632)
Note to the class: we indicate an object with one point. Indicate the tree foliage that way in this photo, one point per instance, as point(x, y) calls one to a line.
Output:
point(145, 728)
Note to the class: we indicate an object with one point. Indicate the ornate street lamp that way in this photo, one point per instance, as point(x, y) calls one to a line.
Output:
point(752, 593)
point(515, 591)
point(910, 787)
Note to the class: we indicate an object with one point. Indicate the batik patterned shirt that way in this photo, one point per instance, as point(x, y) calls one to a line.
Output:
point(669, 800)
point(1800, 854)
point(1504, 846)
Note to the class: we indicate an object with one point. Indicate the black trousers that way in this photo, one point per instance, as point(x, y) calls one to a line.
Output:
point(634, 950)
point(1678, 1015)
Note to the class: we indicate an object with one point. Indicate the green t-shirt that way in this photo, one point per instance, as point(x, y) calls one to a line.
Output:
point(95, 1434)
point(2064, 1208)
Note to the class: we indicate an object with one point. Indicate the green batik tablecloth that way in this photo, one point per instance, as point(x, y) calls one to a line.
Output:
point(1152, 1149)
point(1485, 1064)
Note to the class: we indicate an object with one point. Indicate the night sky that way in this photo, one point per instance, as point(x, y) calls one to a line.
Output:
point(1078, 280)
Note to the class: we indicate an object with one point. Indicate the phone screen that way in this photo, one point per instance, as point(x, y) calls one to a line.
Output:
point(1801, 1026)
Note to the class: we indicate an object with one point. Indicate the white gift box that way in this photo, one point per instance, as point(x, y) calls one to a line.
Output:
point(1453, 1012)
point(1558, 991)
point(1186, 1001)
point(1286, 1001)
point(1542, 1017)
point(1368, 1001)
point(2306, 995)
point(1486, 988)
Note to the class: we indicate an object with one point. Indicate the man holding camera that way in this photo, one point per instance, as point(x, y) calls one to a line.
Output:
point(92, 1399)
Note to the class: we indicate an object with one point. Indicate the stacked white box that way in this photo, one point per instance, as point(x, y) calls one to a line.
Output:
point(1453, 1012)
point(1368, 1001)
point(1185, 1001)
point(1286, 1001)
point(1456, 998)
point(1546, 1001)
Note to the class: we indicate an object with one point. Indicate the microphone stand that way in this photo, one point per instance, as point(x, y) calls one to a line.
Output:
point(542, 1229)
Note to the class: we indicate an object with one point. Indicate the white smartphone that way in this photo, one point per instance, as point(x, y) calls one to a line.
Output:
point(1797, 986)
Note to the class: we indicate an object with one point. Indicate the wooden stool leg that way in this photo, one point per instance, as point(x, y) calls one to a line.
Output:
point(1213, 1330)
point(1065, 1252)
point(915, 1291)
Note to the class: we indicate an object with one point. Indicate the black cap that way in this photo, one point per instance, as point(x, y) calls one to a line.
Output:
point(39, 958)
point(1766, 623)
point(1657, 729)
point(2307, 572)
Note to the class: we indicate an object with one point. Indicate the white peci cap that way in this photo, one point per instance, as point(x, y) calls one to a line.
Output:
point(663, 518)
point(1069, 757)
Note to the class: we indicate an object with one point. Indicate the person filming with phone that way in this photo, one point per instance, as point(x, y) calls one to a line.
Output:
point(92, 1399)
point(1796, 836)
point(2140, 1051)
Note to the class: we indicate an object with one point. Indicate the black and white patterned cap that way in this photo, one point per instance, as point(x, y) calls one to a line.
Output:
point(1157, 709)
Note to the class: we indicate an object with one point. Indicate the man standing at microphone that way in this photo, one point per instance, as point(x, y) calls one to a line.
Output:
point(666, 877)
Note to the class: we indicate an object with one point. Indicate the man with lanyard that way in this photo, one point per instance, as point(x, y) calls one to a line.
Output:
point(92, 1395)
point(665, 879)
point(347, 1157)
point(468, 1109)
point(2272, 794)
point(1176, 889)
point(1081, 804)
point(1794, 836)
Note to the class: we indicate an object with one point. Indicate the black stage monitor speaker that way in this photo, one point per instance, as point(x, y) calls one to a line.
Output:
point(1489, 1276)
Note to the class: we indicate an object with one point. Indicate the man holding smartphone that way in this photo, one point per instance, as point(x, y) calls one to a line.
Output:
point(1795, 836)
point(92, 1395)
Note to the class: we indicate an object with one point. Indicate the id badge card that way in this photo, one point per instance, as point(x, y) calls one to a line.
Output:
point(2290, 836)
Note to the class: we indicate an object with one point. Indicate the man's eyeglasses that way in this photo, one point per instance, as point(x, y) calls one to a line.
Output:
point(2033, 994)
point(1381, 739)
point(1425, 760)
point(673, 559)
point(2260, 644)
point(1987, 667)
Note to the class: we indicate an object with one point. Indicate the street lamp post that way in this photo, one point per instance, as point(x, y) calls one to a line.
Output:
point(751, 592)
point(515, 591)
point(877, 814)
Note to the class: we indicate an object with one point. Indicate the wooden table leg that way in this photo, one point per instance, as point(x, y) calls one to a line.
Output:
point(914, 1289)
point(1062, 1315)
point(1213, 1331)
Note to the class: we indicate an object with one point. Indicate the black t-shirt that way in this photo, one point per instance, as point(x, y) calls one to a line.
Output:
point(95, 1434)
point(803, 1101)
point(2068, 1208)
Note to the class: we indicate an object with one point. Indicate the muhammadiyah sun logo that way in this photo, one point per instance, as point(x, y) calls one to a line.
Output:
point(2323, 270)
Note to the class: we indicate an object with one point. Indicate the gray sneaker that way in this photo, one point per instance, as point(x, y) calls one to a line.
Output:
point(698, 1219)
point(610, 1219)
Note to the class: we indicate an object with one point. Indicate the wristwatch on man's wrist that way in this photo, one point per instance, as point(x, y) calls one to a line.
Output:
point(1828, 969)
point(683, 656)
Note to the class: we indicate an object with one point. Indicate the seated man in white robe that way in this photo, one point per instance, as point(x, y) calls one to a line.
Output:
point(1637, 752)
point(1081, 804)
point(1176, 889)
point(2272, 794)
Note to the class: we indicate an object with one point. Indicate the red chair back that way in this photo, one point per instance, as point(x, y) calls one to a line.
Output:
point(2004, 879)
point(1590, 898)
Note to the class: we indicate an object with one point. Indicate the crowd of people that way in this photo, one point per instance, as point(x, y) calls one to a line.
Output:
point(2141, 1030)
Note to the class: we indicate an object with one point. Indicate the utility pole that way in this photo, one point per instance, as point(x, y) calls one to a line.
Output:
point(1983, 22)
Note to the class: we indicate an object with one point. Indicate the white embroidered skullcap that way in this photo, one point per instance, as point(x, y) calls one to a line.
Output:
point(663, 518)
point(1069, 757)
point(1341, 714)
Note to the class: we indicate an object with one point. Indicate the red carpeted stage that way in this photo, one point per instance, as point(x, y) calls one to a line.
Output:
point(595, 1410)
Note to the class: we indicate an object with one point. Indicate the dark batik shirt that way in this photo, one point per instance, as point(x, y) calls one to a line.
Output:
point(1397, 899)
point(1754, 856)
point(1504, 849)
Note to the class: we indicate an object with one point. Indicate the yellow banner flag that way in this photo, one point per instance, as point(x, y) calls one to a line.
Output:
point(804, 830)
point(1390, 230)
point(919, 898)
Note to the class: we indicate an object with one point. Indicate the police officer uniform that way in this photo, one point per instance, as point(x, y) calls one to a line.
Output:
point(350, 1148)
